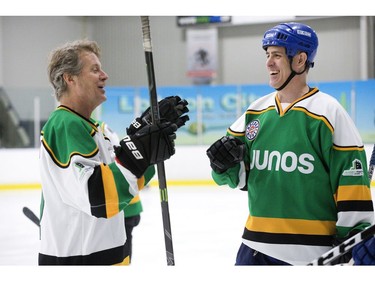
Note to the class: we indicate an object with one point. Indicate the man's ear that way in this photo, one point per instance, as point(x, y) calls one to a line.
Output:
point(302, 58)
point(68, 78)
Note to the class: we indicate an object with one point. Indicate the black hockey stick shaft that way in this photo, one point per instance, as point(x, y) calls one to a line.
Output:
point(328, 257)
point(30, 214)
point(155, 120)
point(372, 164)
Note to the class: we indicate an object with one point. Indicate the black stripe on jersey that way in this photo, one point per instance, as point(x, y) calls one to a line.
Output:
point(96, 194)
point(355, 206)
point(259, 111)
point(234, 133)
point(348, 148)
point(105, 257)
point(318, 116)
point(283, 238)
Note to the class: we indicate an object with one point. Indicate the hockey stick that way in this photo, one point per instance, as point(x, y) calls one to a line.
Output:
point(348, 244)
point(372, 164)
point(30, 214)
point(328, 257)
point(155, 120)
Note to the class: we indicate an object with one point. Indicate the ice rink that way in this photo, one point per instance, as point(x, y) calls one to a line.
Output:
point(207, 224)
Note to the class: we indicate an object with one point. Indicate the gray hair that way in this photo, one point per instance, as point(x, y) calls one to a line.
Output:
point(66, 59)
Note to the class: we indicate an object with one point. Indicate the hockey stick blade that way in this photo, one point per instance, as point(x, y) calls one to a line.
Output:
point(154, 106)
point(30, 215)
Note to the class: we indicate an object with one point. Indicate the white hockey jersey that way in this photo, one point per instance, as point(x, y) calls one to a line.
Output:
point(84, 193)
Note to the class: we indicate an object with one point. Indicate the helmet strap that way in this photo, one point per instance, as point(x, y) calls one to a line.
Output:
point(287, 80)
point(292, 74)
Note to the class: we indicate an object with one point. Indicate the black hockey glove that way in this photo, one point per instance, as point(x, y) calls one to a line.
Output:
point(150, 145)
point(171, 109)
point(225, 153)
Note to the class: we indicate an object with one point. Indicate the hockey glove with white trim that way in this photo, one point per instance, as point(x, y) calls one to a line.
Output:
point(225, 153)
point(150, 145)
point(364, 253)
point(171, 109)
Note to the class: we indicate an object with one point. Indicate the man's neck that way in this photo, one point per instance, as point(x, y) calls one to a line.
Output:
point(292, 92)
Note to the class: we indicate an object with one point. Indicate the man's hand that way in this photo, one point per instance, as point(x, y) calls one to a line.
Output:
point(171, 109)
point(150, 145)
point(225, 153)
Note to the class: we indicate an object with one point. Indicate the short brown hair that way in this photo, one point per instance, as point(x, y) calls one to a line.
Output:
point(65, 59)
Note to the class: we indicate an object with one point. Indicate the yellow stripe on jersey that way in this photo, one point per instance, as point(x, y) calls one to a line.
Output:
point(353, 192)
point(348, 148)
point(315, 116)
point(135, 200)
point(283, 111)
point(110, 191)
point(235, 134)
point(257, 112)
point(290, 226)
point(141, 183)
point(64, 165)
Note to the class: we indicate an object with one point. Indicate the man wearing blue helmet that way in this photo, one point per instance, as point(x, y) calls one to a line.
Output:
point(301, 160)
point(294, 39)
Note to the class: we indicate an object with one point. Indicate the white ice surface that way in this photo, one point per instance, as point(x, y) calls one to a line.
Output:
point(207, 224)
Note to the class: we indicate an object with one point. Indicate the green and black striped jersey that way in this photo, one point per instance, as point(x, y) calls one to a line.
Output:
point(306, 173)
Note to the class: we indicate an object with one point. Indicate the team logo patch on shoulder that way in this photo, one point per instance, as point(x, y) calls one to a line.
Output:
point(355, 170)
point(252, 129)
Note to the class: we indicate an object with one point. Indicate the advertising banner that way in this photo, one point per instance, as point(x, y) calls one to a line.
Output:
point(214, 108)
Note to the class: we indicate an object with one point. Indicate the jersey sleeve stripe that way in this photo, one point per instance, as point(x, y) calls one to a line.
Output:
point(236, 134)
point(348, 148)
point(110, 191)
point(355, 206)
point(353, 192)
point(96, 194)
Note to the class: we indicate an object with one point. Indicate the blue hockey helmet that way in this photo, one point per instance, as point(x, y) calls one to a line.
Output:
point(294, 37)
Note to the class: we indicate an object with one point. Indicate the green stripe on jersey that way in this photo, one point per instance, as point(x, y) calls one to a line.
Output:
point(62, 130)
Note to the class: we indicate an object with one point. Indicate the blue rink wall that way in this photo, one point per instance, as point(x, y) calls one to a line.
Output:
point(214, 108)
point(188, 167)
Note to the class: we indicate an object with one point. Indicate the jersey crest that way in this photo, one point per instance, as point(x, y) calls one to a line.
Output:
point(356, 170)
point(252, 129)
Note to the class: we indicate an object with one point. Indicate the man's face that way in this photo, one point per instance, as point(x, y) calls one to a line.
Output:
point(278, 66)
point(91, 81)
